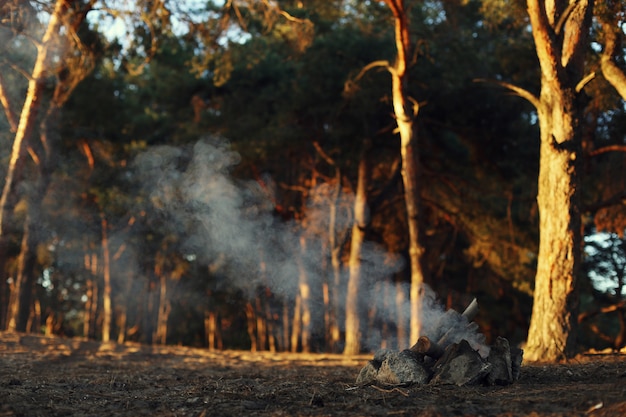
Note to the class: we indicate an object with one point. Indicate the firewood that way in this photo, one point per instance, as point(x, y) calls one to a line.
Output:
point(427, 347)
point(469, 313)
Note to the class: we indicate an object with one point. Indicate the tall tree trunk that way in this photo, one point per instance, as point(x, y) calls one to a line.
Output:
point(405, 110)
point(296, 324)
point(304, 287)
point(107, 312)
point(354, 304)
point(402, 321)
point(160, 332)
point(20, 305)
point(30, 109)
point(91, 292)
point(560, 31)
point(334, 290)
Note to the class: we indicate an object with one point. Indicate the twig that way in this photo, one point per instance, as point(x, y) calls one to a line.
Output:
point(389, 391)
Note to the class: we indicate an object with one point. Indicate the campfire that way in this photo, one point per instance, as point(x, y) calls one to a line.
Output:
point(442, 359)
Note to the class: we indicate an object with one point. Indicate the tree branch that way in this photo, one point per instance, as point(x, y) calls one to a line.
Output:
point(543, 35)
point(615, 199)
point(582, 83)
point(608, 148)
point(559, 25)
point(610, 70)
point(349, 85)
point(8, 108)
point(530, 97)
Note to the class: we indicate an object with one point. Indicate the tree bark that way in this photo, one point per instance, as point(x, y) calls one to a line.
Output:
point(405, 110)
point(354, 304)
point(560, 34)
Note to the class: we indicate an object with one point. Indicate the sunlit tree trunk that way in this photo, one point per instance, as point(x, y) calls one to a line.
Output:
point(354, 303)
point(304, 288)
point(107, 312)
point(160, 336)
point(296, 323)
point(122, 318)
point(285, 327)
point(334, 286)
point(560, 32)
point(91, 293)
point(30, 108)
point(405, 110)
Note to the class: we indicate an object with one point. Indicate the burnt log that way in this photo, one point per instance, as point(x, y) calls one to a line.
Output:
point(427, 347)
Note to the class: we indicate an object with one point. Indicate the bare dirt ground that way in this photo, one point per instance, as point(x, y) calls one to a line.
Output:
point(42, 376)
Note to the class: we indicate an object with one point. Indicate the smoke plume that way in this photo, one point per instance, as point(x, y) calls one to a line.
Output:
point(221, 218)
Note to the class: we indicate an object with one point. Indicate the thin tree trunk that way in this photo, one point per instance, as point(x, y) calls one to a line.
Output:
point(354, 305)
point(261, 321)
point(20, 308)
point(270, 324)
point(305, 299)
point(91, 292)
point(552, 332)
point(160, 336)
point(212, 330)
point(285, 327)
point(251, 327)
point(8, 107)
point(122, 318)
point(402, 321)
point(107, 313)
point(335, 261)
point(405, 110)
point(296, 325)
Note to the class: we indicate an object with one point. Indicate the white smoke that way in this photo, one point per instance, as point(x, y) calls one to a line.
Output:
point(219, 217)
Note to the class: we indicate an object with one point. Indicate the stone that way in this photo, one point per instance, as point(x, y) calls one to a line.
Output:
point(368, 373)
point(517, 356)
point(400, 368)
point(500, 359)
point(460, 365)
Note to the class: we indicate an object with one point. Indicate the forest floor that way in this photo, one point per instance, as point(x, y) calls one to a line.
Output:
point(42, 376)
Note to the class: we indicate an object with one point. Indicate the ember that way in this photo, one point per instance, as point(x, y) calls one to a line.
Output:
point(445, 361)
